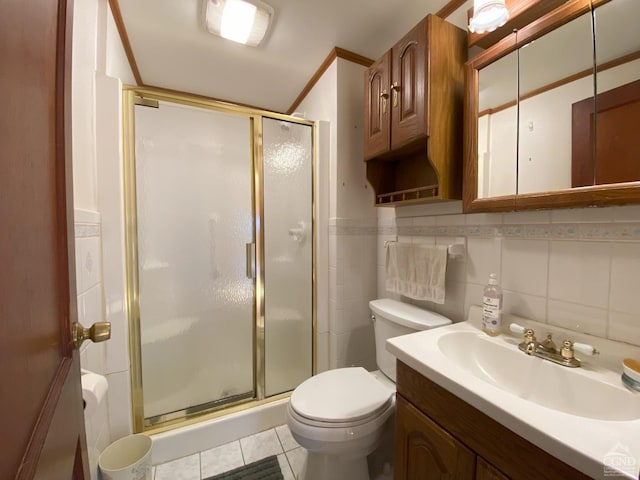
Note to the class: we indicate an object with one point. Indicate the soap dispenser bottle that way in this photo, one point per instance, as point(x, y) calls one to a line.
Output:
point(492, 307)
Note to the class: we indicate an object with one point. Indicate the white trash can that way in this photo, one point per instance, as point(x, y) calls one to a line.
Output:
point(127, 459)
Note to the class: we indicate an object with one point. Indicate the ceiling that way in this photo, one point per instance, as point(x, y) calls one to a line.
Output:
point(173, 50)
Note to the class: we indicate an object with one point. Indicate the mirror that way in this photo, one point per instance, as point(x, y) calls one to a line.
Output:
point(556, 71)
point(617, 142)
point(497, 127)
point(568, 139)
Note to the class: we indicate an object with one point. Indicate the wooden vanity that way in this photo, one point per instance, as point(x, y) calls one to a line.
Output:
point(438, 435)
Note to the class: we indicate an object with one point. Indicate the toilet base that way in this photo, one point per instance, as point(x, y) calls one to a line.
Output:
point(334, 467)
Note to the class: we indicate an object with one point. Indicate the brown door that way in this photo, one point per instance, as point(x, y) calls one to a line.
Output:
point(40, 402)
point(377, 111)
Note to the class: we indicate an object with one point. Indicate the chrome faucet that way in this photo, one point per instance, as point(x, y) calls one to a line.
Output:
point(547, 350)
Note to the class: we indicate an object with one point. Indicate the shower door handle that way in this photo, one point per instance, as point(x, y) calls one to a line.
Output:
point(251, 259)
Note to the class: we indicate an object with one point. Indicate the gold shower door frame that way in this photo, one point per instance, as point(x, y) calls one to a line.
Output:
point(131, 96)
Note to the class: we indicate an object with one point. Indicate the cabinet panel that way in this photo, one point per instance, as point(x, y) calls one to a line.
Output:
point(515, 456)
point(426, 451)
point(377, 108)
point(408, 87)
point(486, 471)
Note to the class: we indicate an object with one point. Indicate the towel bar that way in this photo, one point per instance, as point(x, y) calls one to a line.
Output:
point(455, 250)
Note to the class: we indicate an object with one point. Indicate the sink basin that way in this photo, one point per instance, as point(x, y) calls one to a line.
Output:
point(576, 391)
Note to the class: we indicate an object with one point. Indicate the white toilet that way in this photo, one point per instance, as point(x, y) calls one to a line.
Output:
point(340, 415)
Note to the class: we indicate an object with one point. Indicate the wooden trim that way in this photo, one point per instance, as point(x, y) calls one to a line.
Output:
point(618, 194)
point(336, 52)
point(353, 57)
point(563, 81)
point(449, 8)
point(124, 37)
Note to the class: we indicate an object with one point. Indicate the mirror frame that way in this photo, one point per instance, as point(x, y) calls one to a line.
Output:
point(596, 195)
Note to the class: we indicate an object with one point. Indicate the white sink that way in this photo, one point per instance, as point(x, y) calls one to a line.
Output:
point(570, 390)
point(583, 416)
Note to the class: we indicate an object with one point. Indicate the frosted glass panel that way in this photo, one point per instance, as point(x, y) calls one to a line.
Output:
point(288, 254)
point(194, 206)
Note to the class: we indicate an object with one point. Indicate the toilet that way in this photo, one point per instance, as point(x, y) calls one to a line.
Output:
point(339, 416)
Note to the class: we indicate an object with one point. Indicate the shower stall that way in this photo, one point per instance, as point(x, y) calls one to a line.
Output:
point(220, 255)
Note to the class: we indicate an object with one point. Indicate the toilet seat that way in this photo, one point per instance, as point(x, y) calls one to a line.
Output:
point(340, 397)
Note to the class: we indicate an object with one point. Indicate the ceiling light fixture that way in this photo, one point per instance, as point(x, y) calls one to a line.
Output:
point(242, 21)
point(488, 15)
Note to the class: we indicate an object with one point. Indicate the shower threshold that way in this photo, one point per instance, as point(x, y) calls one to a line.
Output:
point(197, 410)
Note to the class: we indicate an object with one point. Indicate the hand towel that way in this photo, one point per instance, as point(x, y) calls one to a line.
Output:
point(416, 271)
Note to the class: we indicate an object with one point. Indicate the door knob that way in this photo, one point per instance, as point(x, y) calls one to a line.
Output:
point(98, 332)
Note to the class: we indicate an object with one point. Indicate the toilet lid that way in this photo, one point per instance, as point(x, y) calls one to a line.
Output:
point(341, 395)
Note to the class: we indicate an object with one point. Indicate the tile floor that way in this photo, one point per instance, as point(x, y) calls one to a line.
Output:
point(277, 441)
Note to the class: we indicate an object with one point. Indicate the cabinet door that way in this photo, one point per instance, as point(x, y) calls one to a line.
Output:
point(425, 451)
point(377, 107)
point(408, 95)
point(486, 471)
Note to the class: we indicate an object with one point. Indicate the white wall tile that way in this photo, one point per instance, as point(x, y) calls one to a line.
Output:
point(336, 315)
point(119, 405)
point(473, 296)
point(624, 327)
point(582, 215)
point(424, 221)
point(322, 352)
point(418, 240)
point(453, 306)
point(579, 318)
point(540, 216)
point(80, 281)
point(628, 213)
point(450, 220)
point(484, 219)
point(483, 258)
point(356, 315)
point(625, 278)
point(89, 262)
point(579, 272)
point(524, 266)
point(117, 347)
point(382, 291)
point(528, 306)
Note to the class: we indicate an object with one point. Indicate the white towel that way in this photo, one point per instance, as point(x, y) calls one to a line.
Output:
point(416, 271)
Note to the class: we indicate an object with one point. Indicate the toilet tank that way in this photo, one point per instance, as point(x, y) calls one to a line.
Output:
point(392, 318)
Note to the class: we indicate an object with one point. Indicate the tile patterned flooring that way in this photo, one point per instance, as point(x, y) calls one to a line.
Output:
point(277, 441)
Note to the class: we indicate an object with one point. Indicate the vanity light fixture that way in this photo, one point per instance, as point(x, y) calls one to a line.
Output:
point(242, 21)
point(488, 15)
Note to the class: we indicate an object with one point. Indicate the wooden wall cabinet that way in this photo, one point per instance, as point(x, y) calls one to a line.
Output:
point(413, 115)
point(438, 435)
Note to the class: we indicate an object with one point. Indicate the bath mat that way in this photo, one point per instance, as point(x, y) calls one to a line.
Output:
point(265, 469)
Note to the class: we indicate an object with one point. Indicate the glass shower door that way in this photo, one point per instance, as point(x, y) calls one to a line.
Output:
point(288, 254)
point(194, 220)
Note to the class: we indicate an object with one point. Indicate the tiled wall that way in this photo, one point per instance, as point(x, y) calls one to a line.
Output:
point(578, 269)
point(90, 310)
point(352, 284)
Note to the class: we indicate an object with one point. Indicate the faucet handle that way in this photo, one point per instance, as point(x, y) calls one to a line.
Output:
point(515, 328)
point(569, 347)
point(585, 348)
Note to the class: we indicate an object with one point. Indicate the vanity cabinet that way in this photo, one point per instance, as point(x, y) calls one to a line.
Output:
point(413, 115)
point(438, 435)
